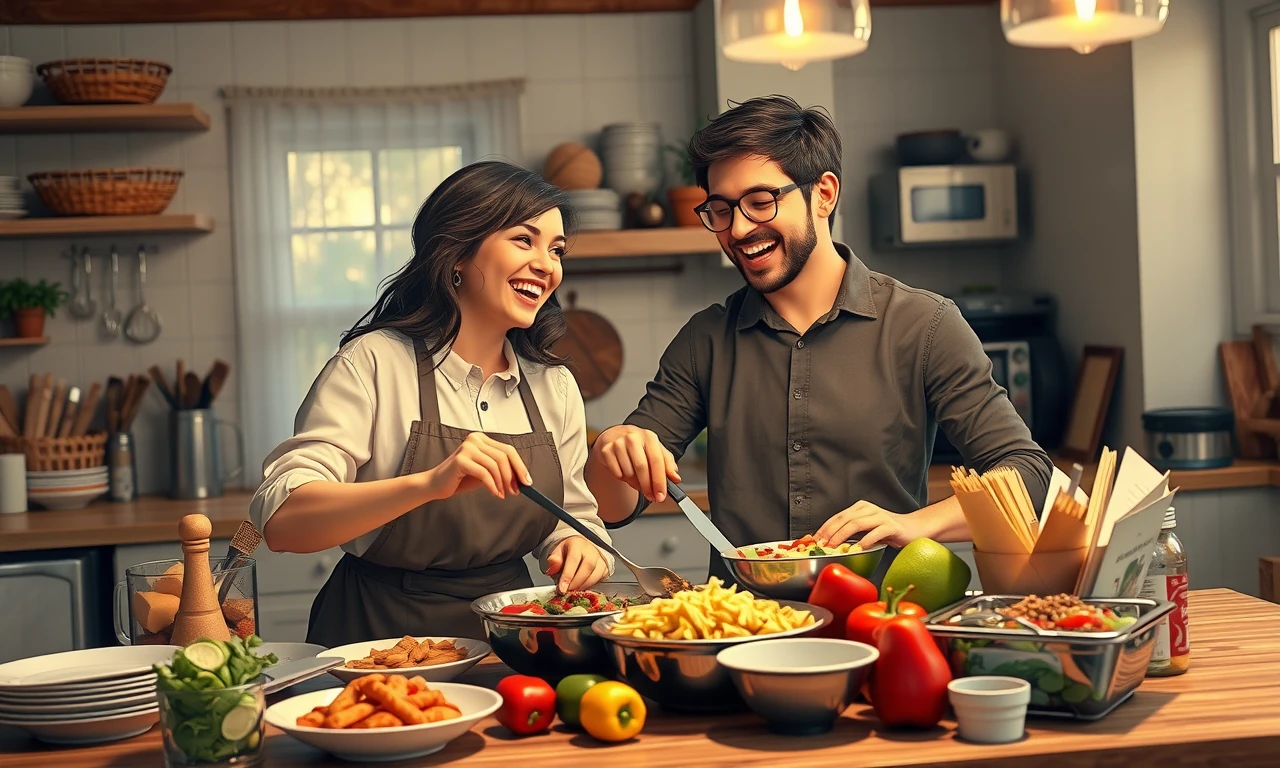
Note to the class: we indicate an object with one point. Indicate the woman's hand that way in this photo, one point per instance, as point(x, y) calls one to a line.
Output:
point(580, 564)
point(480, 461)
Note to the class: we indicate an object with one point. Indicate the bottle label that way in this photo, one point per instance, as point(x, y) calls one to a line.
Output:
point(1171, 632)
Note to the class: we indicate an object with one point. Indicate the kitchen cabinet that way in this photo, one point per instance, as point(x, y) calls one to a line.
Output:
point(284, 617)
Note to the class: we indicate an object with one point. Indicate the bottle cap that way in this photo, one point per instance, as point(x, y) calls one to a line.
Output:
point(1169, 520)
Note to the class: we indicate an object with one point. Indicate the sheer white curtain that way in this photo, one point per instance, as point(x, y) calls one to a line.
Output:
point(325, 184)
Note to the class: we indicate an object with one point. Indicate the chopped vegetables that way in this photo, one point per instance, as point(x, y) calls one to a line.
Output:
point(1064, 613)
point(579, 603)
point(805, 546)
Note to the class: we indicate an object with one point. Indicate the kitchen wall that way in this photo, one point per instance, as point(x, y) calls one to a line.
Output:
point(582, 72)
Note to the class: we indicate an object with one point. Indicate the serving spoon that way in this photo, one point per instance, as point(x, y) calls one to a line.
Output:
point(655, 580)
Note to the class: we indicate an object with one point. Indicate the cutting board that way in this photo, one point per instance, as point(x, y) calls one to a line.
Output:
point(1245, 387)
point(593, 350)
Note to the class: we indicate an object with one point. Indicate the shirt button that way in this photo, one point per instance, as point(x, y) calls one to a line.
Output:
point(800, 344)
point(796, 394)
point(484, 406)
point(795, 446)
point(799, 500)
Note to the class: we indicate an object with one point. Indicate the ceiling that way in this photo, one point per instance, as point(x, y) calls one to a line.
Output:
point(175, 11)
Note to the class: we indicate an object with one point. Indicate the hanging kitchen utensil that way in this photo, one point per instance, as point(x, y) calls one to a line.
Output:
point(144, 323)
point(593, 349)
point(112, 316)
point(82, 304)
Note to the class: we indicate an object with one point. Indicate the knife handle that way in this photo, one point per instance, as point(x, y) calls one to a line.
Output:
point(677, 493)
point(566, 518)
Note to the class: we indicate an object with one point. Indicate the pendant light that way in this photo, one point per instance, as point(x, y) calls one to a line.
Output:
point(793, 32)
point(1081, 25)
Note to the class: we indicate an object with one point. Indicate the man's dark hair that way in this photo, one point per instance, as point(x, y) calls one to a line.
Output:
point(803, 142)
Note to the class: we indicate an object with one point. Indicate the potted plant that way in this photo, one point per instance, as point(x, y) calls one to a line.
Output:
point(684, 198)
point(29, 303)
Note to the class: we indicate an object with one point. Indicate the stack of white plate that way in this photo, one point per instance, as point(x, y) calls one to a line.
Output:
point(597, 208)
point(66, 489)
point(11, 201)
point(632, 157)
point(83, 697)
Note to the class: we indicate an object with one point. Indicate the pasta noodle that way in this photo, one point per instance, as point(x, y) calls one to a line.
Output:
point(714, 612)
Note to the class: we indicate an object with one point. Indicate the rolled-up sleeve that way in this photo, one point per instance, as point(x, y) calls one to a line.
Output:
point(973, 410)
point(572, 448)
point(331, 439)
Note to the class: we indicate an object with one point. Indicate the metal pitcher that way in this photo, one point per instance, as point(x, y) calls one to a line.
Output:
point(195, 457)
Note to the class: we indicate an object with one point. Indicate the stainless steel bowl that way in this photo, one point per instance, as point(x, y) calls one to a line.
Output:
point(683, 675)
point(792, 578)
point(550, 647)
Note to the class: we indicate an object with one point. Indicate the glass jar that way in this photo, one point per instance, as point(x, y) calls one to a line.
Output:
point(1167, 580)
point(220, 727)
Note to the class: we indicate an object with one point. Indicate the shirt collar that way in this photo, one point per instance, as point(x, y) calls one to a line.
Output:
point(456, 370)
point(854, 297)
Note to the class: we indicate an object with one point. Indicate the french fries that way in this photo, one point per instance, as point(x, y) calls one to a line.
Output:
point(410, 653)
point(382, 701)
point(713, 612)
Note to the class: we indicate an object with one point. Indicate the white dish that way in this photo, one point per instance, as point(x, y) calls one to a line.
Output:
point(126, 686)
point(476, 650)
point(378, 745)
point(63, 717)
point(60, 705)
point(76, 500)
point(94, 730)
point(290, 651)
point(67, 472)
point(71, 667)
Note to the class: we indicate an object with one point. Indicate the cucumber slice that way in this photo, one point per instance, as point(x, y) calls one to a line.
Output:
point(206, 655)
point(240, 722)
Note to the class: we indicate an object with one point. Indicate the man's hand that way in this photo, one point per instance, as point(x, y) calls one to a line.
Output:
point(637, 458)
point(881, 526)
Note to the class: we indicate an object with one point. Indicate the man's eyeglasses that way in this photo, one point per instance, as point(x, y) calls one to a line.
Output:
point(760, 206)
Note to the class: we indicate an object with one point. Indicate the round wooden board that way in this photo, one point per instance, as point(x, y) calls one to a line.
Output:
point(593, 349)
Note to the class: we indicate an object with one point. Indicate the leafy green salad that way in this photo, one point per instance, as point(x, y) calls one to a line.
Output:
point(206, 710)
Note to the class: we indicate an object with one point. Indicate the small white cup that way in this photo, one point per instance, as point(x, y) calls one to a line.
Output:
point(13, 483)
point(989, 709)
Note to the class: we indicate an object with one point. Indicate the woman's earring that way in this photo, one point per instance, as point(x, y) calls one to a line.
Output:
point(457, 278)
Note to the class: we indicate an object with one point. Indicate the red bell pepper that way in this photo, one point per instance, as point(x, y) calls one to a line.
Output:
point(840, 591)
point(523, 607)
point(910, 684)
point(862, 624)
point(528, 704)
point(1079, 621)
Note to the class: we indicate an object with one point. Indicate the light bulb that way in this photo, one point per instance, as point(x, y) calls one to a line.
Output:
point(792, 19)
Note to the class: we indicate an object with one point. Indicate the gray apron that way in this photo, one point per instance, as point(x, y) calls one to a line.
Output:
point(421, 574)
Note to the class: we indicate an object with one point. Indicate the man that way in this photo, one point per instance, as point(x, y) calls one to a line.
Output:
point(820, 383)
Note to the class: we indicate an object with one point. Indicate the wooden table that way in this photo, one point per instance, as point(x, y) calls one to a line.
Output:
point(1224, 711)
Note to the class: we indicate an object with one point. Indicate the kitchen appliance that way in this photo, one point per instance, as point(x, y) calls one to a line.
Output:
point(947, 205)
point(1018, 335)
point(53, 602)
point(1189, 438)
point(196, 464)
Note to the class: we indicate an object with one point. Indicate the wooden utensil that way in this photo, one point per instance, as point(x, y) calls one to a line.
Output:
point(43, 405)
point(162, 385)
point(134, 404)
point(55, 411)
point(214, 382)
point(180, 383)
point(593, 349)
point(69, 416)
point(1266, 353)
point(33, 399)
point(115, 389)
point(84, 416)
point(191, 390)
point(199, 614)
point(9, 409)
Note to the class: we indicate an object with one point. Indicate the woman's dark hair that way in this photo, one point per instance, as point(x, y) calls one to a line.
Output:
point(476, 201)
point(803, 142)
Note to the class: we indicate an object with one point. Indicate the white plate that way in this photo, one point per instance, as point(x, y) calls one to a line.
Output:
point(76, 500)
point(67, 472)
point(65, 717)
point(378, 745)
point(12, 214)
point(290, 651)
point(476, 650)
point(64, 669)
point(94, 730)
point(97, 705)
point(92, 690)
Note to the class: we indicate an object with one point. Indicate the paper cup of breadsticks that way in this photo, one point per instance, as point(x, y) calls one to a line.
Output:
point(384, 716)
point(435, 659)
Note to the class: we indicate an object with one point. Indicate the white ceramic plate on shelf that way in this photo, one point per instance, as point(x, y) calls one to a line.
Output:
point(433, 673)
point(94, 730)
point(82, 691)
point(376, 745)
point(62, 706)
point(65, 670)
point(65, 717)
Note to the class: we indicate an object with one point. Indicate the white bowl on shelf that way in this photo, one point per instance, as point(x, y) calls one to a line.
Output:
point(60, 499)
point(16, 85)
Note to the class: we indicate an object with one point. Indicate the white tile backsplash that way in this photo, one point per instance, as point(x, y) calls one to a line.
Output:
point(206, 149)
point(610, 49)
point(665, 45)
point(379, 53)
point(260, 53)
point(611, 101)
point(94, 41)
point(497, 44)
point(158, 42)
point(204, 54)
point(438, 51)
point(99, 150)
point(554, 47)
point(318, 54)
point(554, 107)
point(214, 304)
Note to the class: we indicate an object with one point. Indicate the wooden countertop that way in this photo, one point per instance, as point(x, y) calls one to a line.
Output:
point(1221, 712)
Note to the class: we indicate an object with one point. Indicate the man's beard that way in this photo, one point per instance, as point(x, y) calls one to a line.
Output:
point(795, 254)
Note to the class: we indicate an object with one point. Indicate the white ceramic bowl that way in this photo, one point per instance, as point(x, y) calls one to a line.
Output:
point(476, 650)
point(376, 745)
point(93, 730)
point(66, 500)
point(990, 709)
point(16, 85)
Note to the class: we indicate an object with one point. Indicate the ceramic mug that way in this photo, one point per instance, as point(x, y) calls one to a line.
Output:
point(988, 146)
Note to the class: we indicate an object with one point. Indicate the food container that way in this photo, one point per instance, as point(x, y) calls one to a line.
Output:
point(684, 675)
point(990, 710)
point(550, 647)
point(1189, 438)
point(1075, 675)
point(146, 602)
point(213, 727)
point(792, 578)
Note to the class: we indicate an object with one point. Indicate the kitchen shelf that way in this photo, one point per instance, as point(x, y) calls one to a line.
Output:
point(172, 223)
point(21, 342)
point(95, 118)
point(662, 241)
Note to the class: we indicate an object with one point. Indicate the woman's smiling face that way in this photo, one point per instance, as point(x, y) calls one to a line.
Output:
point(515, 271)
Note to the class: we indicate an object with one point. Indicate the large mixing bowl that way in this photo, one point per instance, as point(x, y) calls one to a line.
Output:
point(683, 675)
point(549, 647)
point(792, 578)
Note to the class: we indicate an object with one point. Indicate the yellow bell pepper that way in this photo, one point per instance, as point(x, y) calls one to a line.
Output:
point(611, 711)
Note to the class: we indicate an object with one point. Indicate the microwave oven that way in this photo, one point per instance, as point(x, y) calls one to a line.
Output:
point(946, 205)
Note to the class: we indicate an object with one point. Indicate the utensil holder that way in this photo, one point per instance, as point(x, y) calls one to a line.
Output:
point(195, 468)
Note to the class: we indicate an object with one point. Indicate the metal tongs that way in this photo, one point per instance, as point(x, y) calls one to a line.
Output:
point(977, 618)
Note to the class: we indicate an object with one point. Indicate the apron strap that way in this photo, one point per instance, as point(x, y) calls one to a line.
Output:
point(530, 405)
point(427, 402)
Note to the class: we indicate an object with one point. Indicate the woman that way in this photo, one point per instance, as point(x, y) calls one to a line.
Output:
point(447, 386)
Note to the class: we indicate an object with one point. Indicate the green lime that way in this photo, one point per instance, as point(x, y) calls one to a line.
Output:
point(569, 696)
point(240, 722)
point(939, 575)
point(206, 655)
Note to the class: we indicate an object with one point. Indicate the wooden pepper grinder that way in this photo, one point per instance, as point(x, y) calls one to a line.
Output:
point(199, 614)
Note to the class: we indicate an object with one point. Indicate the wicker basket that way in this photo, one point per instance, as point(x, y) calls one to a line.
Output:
point(105, 81)
point(53, 454)
point(111, 191)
